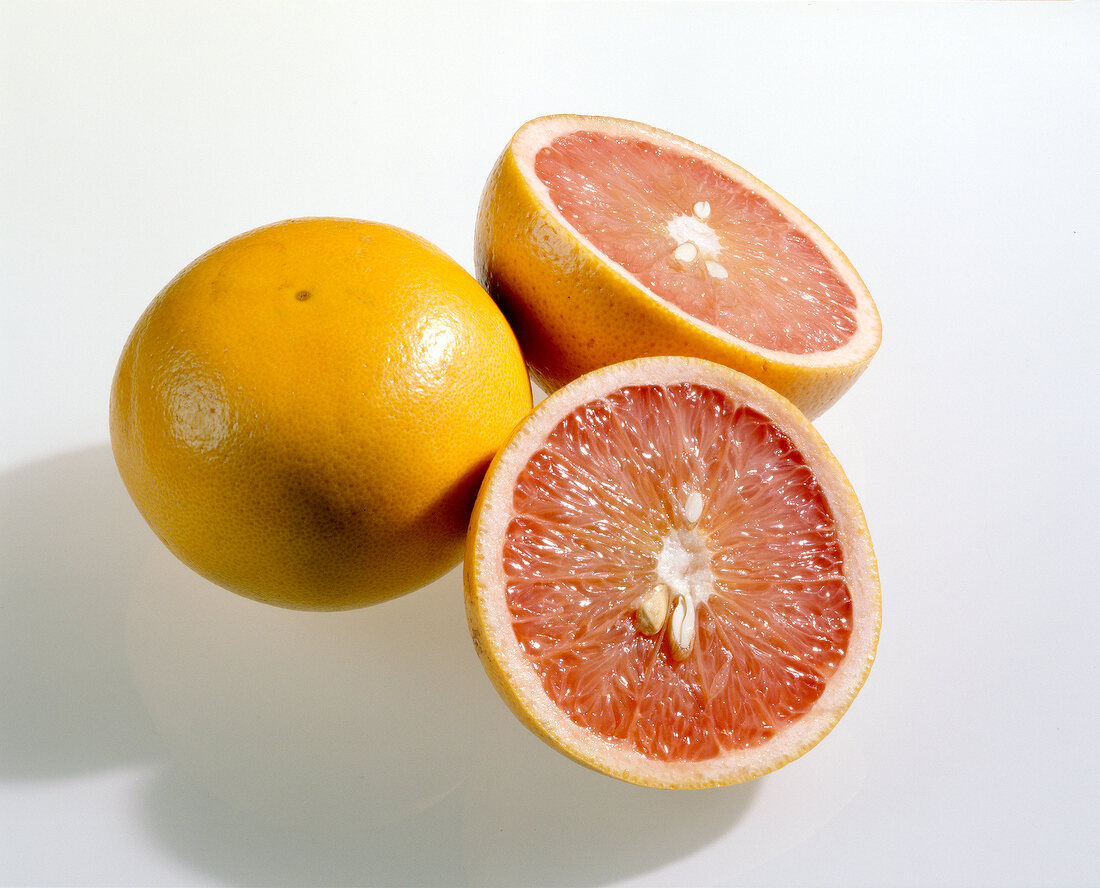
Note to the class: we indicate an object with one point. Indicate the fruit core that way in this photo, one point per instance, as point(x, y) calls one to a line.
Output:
point(700, 240)
point(673, 573)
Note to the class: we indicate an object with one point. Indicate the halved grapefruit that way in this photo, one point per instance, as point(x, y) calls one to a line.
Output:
point(605, 240)
point(669, 577)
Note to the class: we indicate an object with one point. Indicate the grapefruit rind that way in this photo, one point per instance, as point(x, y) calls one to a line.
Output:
point(512, 672)
point(575, 309)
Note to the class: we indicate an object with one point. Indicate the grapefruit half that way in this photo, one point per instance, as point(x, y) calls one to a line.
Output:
point(669, 577)
point(605, 240)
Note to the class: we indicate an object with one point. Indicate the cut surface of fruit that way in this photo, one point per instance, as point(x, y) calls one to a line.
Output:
point(605, 240)
point(669, 577)
point(705, 242)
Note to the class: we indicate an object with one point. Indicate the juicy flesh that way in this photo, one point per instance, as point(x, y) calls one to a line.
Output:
point(594, 509)
point(699, 240)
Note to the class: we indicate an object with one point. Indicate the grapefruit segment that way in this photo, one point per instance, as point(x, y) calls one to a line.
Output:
point(669, 577)
point(605, 240)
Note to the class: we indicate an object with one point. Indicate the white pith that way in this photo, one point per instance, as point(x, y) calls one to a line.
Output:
point(681, 566)
point(688, 250)
point(684, 569)
point(697, 242)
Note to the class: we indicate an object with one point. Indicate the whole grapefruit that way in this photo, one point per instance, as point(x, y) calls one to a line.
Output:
point(304, 414)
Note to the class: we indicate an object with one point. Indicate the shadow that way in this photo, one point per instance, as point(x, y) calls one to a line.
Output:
point(368, 747)
point(315, 722)
point(70, 541)
point(196, 826)
point(537, 818)
point(293, 748)
point(585, 829)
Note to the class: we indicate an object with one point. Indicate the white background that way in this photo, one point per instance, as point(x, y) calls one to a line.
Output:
point(159, 731)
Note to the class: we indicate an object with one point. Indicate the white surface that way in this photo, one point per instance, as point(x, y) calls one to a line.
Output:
point(158, 731)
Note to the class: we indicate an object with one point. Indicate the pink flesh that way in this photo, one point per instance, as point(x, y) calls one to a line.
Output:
point(620, 194)
point(591, 509)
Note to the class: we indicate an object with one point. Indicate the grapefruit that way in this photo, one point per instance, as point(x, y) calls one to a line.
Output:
point(304, 414)
point(669, 577)
point(606, 239)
